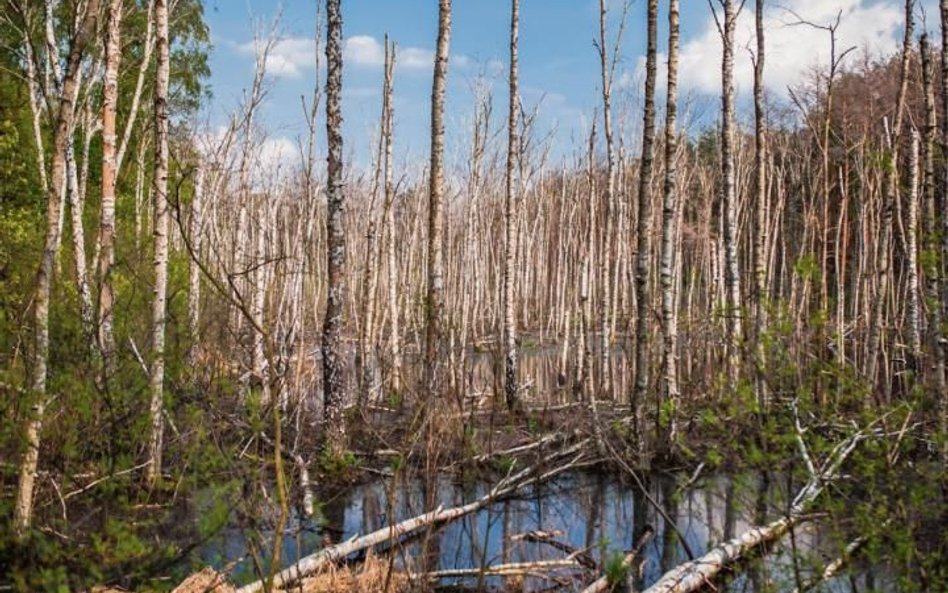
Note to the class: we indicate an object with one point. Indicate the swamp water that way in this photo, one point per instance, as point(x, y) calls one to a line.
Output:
point(594, 512)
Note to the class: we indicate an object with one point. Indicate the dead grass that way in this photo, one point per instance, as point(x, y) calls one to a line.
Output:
point(369, 575)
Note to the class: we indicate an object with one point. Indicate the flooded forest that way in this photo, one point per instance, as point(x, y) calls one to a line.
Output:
point(690, 346)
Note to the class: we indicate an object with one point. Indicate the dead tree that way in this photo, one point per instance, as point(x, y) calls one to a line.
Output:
point(607, 263)
point(890, 198)
point(762, 226)
point(732, 271)
point(643, 294)
point(434, 307)
point(334, 387)
point(943, 208)
point(510, 223)
point(156, 374)
point(669, 250)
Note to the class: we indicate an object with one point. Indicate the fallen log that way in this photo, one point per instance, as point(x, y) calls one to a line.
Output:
point(504, 570)
point(394, 533)
point(695, 574)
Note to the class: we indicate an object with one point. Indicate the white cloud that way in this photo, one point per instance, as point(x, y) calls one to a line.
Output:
point(291, 56)
point(287, 58)
point(791, 49)
point(363, 50)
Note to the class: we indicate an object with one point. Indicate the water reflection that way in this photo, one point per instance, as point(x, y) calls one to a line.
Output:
point(592, 512)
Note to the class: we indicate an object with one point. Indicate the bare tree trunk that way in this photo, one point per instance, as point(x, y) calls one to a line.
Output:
point(389, 212)
point(914, 296)
point(933, 270)
point(607, 63)
point(334, 388)
point(76, 207)
point(669, 255)
point(23, 510)
point(643, 258)
point(159, 309)
point(890, 198)
point(510, 223)
point(761, 228)
point(434, 307)
point(113, 55)
point(943, 208)
point(196, 225)
point(732, 271)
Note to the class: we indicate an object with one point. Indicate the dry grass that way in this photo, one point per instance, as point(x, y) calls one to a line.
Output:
point(370, 575)
point(206, 581)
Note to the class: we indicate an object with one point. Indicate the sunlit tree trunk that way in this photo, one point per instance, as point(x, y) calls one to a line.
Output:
point(607, 62)
point(394, 339)
point(334, 388)
point(434, 306)
point(23, 509)
point(933, 264)
point(732, 271)
point(669, 255)
point(76, 208)
point(195, 232)
point(914, 294)
point(161, 217)
point(510, 223)
point(113, 54)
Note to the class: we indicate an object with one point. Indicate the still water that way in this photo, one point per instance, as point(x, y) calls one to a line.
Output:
point(594, 512)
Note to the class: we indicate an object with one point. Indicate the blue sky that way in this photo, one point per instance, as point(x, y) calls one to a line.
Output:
point(558, 64)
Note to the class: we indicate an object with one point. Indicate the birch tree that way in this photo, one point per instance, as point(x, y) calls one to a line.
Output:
point(65, 114)
point(669, 230)
point(644, 231)
point(156, 373)
point(762, 220)
point(106, 241)
point(510, 223)
point(890, 197)
point(334, 388)
point(732, 271)
point(434, 306)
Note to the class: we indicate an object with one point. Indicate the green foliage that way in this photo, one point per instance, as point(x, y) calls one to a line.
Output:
point(504, 464)
point(616, 570)
point(337, 466)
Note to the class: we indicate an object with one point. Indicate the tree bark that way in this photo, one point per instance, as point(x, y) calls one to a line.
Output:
point(434, 307)
point(762, 226)
point(196, 225)
point(732, 271)
point(334, 388)
point(511, 387)
point(159, 309)
point(113, 55)
point(933, 269)
point(643, 296)
point(23, 509)
point(669, 255)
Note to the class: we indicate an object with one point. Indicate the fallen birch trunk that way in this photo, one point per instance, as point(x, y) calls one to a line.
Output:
point(506, 487)
point(505, 570)
point(692, 576)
